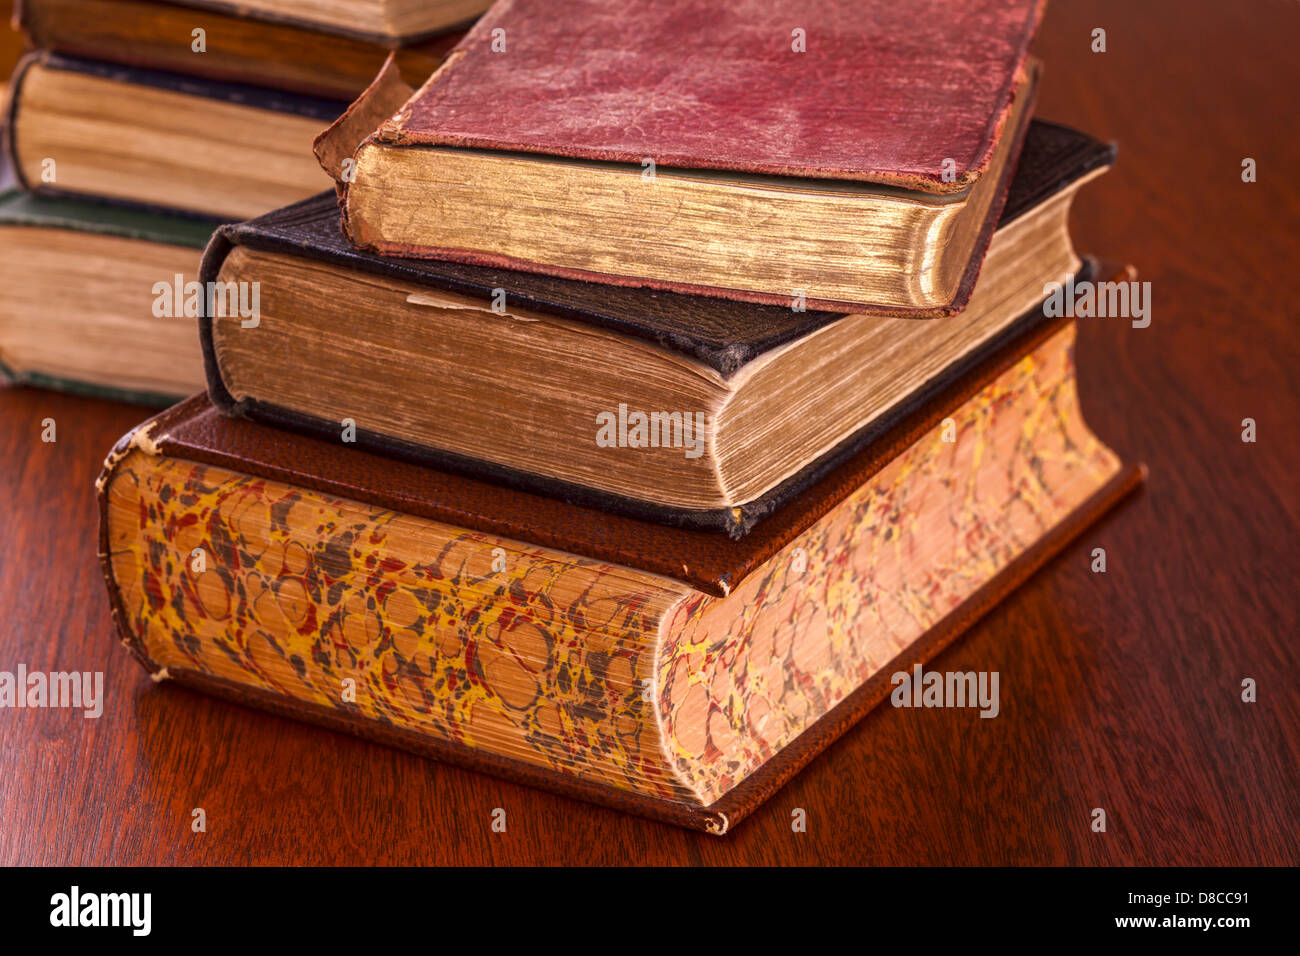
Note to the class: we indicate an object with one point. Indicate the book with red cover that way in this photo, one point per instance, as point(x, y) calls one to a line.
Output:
point(850, 96)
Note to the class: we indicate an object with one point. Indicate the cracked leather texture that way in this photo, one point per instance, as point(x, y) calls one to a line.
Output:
point(883, 91)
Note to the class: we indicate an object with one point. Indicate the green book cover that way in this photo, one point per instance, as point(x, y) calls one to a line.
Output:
point(24, 209)
point(18, 208)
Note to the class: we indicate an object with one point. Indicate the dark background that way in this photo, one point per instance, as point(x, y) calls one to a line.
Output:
point(1119, 690)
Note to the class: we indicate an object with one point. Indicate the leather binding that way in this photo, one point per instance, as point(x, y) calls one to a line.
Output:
point(194, 431)
point(959, 301)
point(235, 9)
point(337, 142)
point(722, 334)
point(861, 104)
point(297, 104)
point(885, 93)
point(242, 47)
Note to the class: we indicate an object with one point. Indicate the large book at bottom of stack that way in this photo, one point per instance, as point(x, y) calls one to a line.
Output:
point(674, 672)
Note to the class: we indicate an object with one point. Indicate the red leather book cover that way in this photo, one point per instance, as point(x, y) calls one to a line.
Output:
point(870, 90)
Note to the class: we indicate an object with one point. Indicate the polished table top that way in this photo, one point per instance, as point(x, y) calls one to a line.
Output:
point(1119, 690)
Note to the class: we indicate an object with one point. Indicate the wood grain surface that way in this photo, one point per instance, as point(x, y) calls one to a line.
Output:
point(1118, 690)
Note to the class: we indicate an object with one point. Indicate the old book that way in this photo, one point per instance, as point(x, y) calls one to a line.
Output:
point(687, 409)
point(390, 22)
point(80, 309)
point(162, 140)
point(852, 154)
point(680, 674)
point(238, 48)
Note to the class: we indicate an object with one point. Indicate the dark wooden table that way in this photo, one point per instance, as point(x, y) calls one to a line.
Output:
point(1119, 690)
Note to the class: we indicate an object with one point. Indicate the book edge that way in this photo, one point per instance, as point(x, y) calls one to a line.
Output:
point(717, 818)
point(761, 785)
point(235, 10)
point(275, 231)
point(880, 440)
point(54, 39)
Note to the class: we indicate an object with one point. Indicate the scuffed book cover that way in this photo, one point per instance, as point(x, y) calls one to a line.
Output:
point(867, 90)
point(379, 36)
point(722, 334)
point(238, 47)
point(891, 119)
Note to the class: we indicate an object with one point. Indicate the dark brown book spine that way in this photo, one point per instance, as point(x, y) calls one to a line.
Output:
point(278, 55)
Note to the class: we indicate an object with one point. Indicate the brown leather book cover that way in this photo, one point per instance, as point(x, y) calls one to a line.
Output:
point(317, 26)
point(239, 49)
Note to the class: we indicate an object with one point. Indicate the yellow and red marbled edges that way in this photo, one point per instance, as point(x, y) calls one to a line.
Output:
point(543, 659)
point(741, 677)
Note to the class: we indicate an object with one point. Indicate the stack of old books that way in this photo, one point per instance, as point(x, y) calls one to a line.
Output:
point(133, 129)
point(651, 391)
